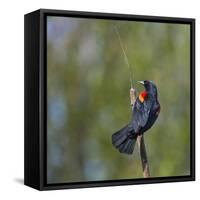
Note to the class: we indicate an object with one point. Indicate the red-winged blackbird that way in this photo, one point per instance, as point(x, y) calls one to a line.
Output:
point(145, 112)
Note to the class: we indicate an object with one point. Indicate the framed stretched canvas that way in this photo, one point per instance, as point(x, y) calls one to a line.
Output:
point(109, 99)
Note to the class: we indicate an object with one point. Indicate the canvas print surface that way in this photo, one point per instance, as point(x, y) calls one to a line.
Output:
point(92, 128)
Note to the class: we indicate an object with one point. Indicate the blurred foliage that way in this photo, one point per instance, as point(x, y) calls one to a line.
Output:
point(88, 97)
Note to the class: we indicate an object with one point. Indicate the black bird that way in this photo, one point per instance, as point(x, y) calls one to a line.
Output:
point(145, 112)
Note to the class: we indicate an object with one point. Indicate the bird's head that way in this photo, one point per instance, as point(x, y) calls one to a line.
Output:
point(150, 87)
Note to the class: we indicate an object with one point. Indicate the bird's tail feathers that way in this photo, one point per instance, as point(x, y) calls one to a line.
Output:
point(124, 140)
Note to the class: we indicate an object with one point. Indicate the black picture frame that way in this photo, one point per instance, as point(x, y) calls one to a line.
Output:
point(35, 87)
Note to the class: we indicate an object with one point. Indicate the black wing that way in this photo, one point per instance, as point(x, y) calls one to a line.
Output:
point(141, 113)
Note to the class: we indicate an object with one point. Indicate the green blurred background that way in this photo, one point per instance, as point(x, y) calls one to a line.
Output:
point(88, 97)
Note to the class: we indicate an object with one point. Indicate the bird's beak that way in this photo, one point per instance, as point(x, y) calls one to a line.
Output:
point(142, 82)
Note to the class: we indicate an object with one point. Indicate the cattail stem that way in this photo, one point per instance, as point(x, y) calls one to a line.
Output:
point(143, 155)
point(132, 96)
point(140, 142)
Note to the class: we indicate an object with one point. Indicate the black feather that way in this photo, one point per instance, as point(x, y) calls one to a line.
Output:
point(128, 146)
point(124, 140)
point(120, 136)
